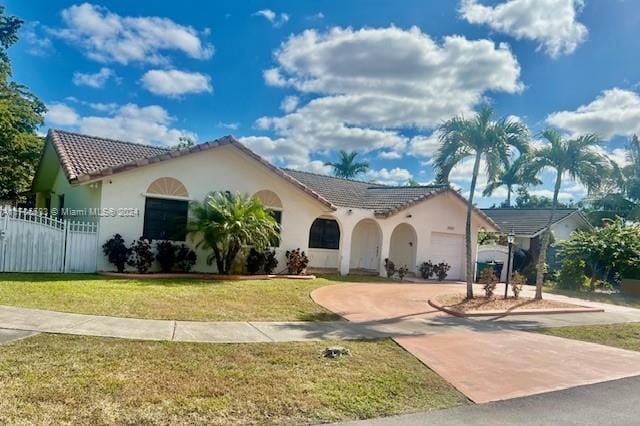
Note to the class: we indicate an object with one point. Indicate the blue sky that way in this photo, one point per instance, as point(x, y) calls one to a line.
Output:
point(299, 80)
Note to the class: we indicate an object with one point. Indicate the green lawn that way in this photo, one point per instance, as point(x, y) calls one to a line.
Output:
point(179, 299)
point(54, 379)
point(624, 336)
point(615, 299)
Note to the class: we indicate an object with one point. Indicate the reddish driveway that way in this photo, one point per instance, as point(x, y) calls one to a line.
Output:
point(487, 364)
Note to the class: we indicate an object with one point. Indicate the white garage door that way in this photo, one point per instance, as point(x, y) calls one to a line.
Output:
point(448, 248)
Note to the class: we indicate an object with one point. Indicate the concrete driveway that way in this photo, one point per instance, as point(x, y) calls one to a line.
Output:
point(484, 359)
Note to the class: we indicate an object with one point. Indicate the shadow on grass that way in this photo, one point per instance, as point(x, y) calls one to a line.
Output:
point(615, 298)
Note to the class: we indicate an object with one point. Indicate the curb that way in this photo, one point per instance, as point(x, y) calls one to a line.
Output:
point(582, 309)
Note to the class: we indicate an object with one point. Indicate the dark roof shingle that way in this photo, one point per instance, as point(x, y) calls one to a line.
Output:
point(525, 222)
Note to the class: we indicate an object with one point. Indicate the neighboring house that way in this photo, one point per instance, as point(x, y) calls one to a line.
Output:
point(528, 225)
point(342, 224)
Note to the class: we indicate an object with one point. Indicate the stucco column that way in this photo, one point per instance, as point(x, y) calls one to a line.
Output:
point(345, 248)
point(385, 248)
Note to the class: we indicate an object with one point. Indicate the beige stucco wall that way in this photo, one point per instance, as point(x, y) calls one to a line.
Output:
point(224, 168)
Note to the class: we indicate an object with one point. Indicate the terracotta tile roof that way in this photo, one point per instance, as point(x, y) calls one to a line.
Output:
point(85, 158)
point(527, 222)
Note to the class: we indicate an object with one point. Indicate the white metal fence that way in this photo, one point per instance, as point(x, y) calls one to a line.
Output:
point(32, 242)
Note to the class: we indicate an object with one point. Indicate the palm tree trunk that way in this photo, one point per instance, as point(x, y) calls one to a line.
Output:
point(472, 190)
point(542, 256)
point(508, 195)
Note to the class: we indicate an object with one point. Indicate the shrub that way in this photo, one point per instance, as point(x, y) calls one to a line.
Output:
point(517, 282)
point(141, 255)
point(390, 267)
point(297, 261)
point(441, 270)
point(489, 281)
point(185, 258)
point(402, 272)
point(571, 275)
point(166, 255)
point(261, 262)
point(117, 252)
point(426, 270)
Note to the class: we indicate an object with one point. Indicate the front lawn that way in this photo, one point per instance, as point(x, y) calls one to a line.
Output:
point(615, 298)
point(58, 379)
point(624, 336)
point(178, 299)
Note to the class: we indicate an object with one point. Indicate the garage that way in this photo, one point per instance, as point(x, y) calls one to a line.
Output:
point(448, 248)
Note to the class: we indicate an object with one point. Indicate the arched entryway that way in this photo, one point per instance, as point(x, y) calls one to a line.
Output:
point(365, 246)
point(402, 250)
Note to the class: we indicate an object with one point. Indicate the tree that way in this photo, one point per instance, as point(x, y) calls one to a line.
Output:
point(225, 223)
point(183, 142)
point(412, 182)
point(516, 173)
point(525, 200)
point(21, 113)
point(347, 167)
point(576, 158)
point(631, 173)
point(480, 138)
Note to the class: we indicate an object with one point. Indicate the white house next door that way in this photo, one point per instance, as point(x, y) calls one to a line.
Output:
point(448, 248)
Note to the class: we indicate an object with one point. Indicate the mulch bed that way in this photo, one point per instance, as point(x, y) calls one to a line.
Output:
point(458, 304)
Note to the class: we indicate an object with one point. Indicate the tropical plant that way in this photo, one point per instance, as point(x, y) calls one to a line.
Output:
point(117, 252)
point(185, 258)
point(402, 272)
point(517, 283)
point(480, 138)
point(441, 270)
point(21, 113)
point(489, 281)
point(604, 254)
point(261, 261)
point(225, 223)
point(578, 159)
point(297, 261)
point(515, 174)
point(426, 270)
point(166, 255)
point(347, 166)
point(141, 257)
point(390, 267)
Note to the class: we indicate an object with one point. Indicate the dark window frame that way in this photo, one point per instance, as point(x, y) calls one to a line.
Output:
point(168, 223)
point(324, 234)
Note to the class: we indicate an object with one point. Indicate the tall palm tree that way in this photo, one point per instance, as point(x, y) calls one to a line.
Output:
point(225, 222)
point(516, 173)
point(576, 158)
point(481, 137)
point(347, 167)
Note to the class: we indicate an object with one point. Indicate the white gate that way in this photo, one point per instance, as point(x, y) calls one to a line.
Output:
point(31, 242)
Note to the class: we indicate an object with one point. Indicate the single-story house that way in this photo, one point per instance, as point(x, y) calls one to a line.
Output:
point(342, 224)
point(528, 225)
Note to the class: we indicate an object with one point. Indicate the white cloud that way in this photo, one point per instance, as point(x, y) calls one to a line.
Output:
point(175, 83)
point(614, 112)
point(277, 20)
point(95, 80)
point(395, 176)
point(106, 37)
point(61, 114)
point(552, 23)
point(228, 126)
point(38, 44)
point(371, 83)
point(424, 146)
point(130, 122)
point(289, 104)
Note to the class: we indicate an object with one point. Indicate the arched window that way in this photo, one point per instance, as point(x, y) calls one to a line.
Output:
point(324, 234)
point(166, 210)
point(272, 202)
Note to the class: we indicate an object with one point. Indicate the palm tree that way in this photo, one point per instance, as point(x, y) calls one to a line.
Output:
point(225, 222)
point(479, 138)
point(578, 159)
point(631, 172)
point(516, 173)
point(347, 167)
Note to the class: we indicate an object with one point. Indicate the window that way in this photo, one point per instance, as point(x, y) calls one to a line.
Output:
point(165, 219)
point(324, 234)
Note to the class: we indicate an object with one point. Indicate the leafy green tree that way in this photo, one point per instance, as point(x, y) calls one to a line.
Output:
point(631, 172)
point(606, 252)
point(21, 113)
point(481, 137)
point(412, 182)
point(347, 166)
point(516, 173)
point(225, 223)
point(525, 200)
point(183, 142)
point(577, 159)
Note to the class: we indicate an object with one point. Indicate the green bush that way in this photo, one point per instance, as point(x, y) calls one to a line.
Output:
point(571, 275)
